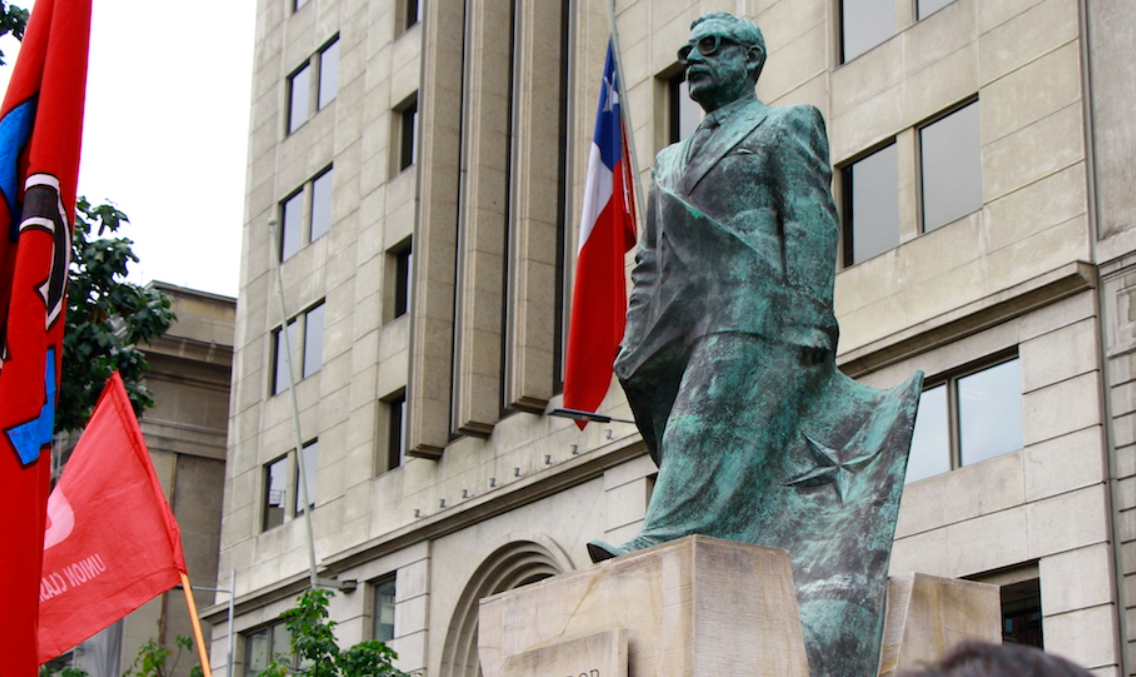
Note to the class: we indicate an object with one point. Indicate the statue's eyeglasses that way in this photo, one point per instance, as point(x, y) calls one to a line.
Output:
point(707, 46)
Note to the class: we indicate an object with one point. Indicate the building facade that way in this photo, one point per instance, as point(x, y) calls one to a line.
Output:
point(423, 163)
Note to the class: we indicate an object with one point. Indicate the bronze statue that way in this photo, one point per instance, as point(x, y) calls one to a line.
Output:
point(728, 360)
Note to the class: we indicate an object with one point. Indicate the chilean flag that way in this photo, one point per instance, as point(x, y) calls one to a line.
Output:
point(607, 232)
point(41, 127)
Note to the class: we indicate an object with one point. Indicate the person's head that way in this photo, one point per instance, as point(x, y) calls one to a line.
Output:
point(723, 59)
point(982, 659)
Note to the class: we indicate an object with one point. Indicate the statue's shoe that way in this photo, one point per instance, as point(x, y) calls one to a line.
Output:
point(600, 551)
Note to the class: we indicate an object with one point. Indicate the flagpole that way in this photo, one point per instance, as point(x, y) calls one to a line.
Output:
point(299, 440)
point(625, 109)
point(198, 636)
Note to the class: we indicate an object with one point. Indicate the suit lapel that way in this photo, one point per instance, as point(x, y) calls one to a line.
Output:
point(735, 128)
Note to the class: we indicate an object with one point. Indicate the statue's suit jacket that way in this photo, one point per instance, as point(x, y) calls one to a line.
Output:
point(741, 236)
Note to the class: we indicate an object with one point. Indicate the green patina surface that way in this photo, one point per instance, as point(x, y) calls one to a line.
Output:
point(728, 360)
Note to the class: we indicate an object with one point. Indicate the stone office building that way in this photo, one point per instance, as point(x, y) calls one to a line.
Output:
point(425, 163)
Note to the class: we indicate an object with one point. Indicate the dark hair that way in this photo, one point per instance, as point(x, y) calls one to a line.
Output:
point(982, 659)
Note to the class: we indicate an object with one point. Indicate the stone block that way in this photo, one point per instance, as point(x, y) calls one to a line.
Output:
point(1086, 636)
point(1067, 521)
point(1076, 579)
point(1061, 408)
point(1064, 464)
point(603, 654)
point(926, 615)
point(678, 603)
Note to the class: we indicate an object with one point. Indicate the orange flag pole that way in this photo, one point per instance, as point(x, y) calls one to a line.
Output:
point(198, 636)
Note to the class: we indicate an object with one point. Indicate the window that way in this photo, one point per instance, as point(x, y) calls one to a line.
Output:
point(297, 4)
point(951, 154)
point(967, 418)
point(399, 268)
point(275, 493)
point(280, 356)
point(685, 113)
point(313, 340)
point(1021, 614)
point(319, 72)
point(384, 591)
point(299, 88)
point(309, 455)
point(412, 11)
point(283, 498)
point(871, 205)
point(406, 134)
point(264, 644)
point(396, 429)
point(291, 212)
point(311, 350)
point(928, 7)
point(296, 231)
point(865, 24)
point(321, 206)
point(328, 73)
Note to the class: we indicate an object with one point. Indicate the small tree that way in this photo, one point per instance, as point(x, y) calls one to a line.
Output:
point(107, 317)
point(315, 648)
point(13, 20)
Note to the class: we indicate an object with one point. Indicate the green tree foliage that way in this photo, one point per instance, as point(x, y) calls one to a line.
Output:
point(315, 651)
point(151, 661)
point(152, 658)
point(13, 20)
point(107, 317)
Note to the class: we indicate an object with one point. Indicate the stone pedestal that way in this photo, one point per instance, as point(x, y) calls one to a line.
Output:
point(695, 606)
point(926, 615)
point(705, 606)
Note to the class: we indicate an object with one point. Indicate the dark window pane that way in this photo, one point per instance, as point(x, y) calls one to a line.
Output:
point(280, 370)
point(329, 74)
point(685, 111)
point(404, 259)
point(291, 217)
point(1021, 614)
point(952, 168)
point(299, 88)
point(310, 456)
point(275, 493)
point(413, 11)
point(408, 151)
point(866, 23)
point(931, 443)
point(872, 205)
point(990, 412)
point(384, 610)
point(321, 206)
point(313, 340)
point(396, 426)
point(298, 4)
point(928, 7)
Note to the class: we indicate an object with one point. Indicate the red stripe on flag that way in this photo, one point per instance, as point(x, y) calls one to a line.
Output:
point(599, 299)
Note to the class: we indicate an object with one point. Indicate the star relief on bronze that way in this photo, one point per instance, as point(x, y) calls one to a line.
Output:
point(833, 466)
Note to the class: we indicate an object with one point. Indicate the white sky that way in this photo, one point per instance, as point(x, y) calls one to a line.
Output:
point(166, 132)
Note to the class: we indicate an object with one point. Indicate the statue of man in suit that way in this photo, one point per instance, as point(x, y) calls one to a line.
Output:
point(728, 359)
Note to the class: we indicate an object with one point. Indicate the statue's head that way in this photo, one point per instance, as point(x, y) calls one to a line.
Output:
point(723, 59)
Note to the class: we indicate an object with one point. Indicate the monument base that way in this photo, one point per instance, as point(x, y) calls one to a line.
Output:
point(701, 605)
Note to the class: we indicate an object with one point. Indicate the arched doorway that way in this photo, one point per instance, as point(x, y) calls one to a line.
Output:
point(511, 566)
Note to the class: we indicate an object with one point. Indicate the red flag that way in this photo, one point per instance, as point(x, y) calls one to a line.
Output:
point(607, 232)
point(112, 543)
point(41, 125)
